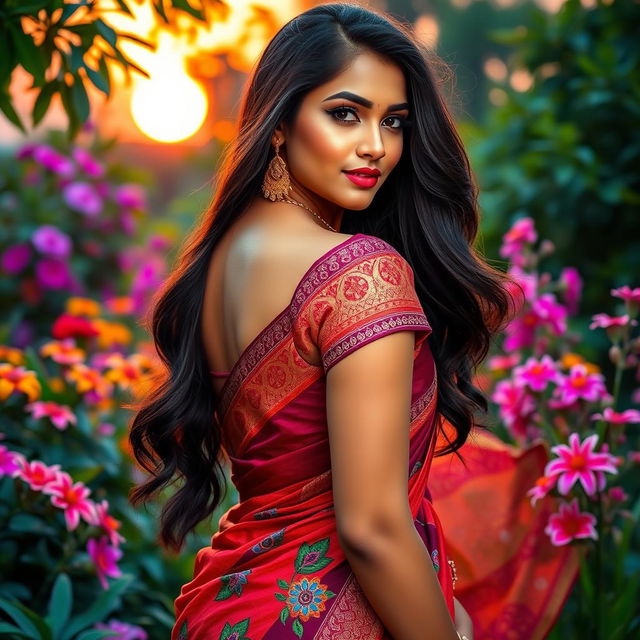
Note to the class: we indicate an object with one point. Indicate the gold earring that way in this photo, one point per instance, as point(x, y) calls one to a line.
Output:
point(276, 178)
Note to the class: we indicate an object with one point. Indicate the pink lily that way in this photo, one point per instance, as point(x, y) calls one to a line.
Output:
point(105, 558)
point(73, 498)
point(570, 524)
point(608, 414)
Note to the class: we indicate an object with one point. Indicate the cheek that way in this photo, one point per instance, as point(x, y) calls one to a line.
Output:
point(319, 144)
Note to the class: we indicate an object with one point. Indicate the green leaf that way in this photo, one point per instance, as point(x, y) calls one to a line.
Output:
point(43, 101)
point(95, 634)
point(184, 5)
point(124, 8)
point(80, 98)
point(32, 7)
point(97, 79)
point(69, 9)
point(99, 610)
point(106, 32)
point(10, 631)
point(29, 622)
point(60, 603)
point(69, 107)
point(30, 56)
point(10, 112)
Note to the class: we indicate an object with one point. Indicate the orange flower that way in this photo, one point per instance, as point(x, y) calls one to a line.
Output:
point(11, 354)
point(121, 305)
point(77, 306)
point(111, 334)
point(18, 379)
point(87, 379)
point(569, 359)
point(63, 351)
point(126, 371)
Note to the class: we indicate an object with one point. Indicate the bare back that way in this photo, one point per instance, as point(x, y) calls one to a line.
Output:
point(253, 273)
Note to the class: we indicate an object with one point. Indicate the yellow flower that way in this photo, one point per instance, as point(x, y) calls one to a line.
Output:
point(111, 333)
point(77, 306)
point(569, 359)
point(63, 351)
point(11, 354)
point(126, 371)
point(18, 379)
point(87, 379)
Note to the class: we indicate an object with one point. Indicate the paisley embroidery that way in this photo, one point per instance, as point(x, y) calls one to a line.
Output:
point(264, 515)
point(271, 541)
point(235, 632)
point(435, 558)
point(305, 597)
point(232, 583)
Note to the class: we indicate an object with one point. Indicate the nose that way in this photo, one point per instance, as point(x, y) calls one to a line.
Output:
point(372, 145)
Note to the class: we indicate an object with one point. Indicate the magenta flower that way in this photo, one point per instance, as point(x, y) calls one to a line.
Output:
point(88, 163)
point(53, 273)
point(630, 415)
point(604, 321)
point(580, 384)
point(51, 241)
point(522, 232)
point(536, 374)
point(571, 284)
point(37, 474)
point(108, 523)
point(73, 498)
point(528, 281)
point(50, 159)
point(503, 363)
point(577, 461)
point(82, 197)
point(570, 524)
point(9, 462)
point(515, 406)
point(16, 258)
point(618, 494)
point(122, 630)
point(520, 332)
point(105, 558)
point(130, 196)
point(60, 415)
point(627, 293)
point(543, 485)
point(551, 313)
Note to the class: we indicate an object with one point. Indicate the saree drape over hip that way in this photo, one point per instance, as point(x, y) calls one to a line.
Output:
point(275, 569)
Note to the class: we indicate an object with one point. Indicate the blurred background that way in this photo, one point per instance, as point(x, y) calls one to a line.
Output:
point(113, 116)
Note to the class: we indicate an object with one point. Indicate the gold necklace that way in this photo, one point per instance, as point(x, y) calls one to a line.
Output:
point(289, 200)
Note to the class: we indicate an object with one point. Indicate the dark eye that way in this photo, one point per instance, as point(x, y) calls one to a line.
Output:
point(401, 122)
point(334, 113)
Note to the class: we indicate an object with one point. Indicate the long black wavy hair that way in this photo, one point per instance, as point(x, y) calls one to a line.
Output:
point(427, 209)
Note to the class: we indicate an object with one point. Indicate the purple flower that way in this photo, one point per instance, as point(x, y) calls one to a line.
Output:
point(26, 150)
point(51, 241)
point(52, 273)
point(122, 630)
point(87, 163)
point(82, 197)
point(16, 258)
point(50, 159)
point(130, 196)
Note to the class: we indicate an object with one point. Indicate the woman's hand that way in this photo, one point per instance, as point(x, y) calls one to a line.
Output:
point(463, 623)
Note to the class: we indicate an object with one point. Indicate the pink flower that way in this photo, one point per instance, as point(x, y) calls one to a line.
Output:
point(159, 242)
point(536, 374)
point(16, 258)
point(122, 630)
point(52, 273)
point(503, 363)
point(9, 462)
point(543, 485)
point(547, 309)
point(577, 461)
point(37, 474)
point(82, 197)
point(50, 159)
point(51, 241)
point(618, 494)
point(571, 284)
point(87, 163)
point(630, 415)
point(108, 523)
point(516, 407)
point(521, 331)
point(73, 498)
point(580, 384)
point(105, 558)
point(60, 415)
point(570, 524)
point(522, 232)
point(627, 293)
point(130, 196)
point(604, 321)
point(528, 281)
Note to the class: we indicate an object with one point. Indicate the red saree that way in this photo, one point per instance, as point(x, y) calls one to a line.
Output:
point(275, 569)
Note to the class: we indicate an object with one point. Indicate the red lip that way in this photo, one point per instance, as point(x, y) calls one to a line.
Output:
point(365, 171)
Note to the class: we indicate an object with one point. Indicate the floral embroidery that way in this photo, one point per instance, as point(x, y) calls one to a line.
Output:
point(416, 466)
point(236, 632)
point(183, 631)
point(271, 541)
point(232, 583)
point(267, 513)
point(435, 558)
point(305, 597)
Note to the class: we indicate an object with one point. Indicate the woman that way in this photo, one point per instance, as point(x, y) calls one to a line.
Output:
point(339, 239)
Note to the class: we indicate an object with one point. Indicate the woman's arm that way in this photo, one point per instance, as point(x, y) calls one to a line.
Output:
point(368, 409)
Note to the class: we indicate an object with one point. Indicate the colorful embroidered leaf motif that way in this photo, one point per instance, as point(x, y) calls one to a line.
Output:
point(435, 558)
point(271, 541)
point(416, 467)
point(236, 632)
point(311, 558)
point(183, 631)
point(305, 598)
point(232, 583)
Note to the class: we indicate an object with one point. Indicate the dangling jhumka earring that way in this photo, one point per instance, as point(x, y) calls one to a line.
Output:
point(276, 184)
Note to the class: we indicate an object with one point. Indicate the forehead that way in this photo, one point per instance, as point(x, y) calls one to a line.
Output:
point(369, 75)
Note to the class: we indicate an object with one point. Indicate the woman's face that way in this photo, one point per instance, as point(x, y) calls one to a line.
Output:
point(351, 122)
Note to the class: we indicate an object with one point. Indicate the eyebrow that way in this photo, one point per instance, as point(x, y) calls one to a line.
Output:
point(354, 97)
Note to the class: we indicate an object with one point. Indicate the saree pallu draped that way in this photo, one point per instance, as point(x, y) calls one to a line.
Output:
point(275, 568)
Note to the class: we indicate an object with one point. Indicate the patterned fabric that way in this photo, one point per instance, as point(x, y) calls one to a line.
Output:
point(275, 569)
